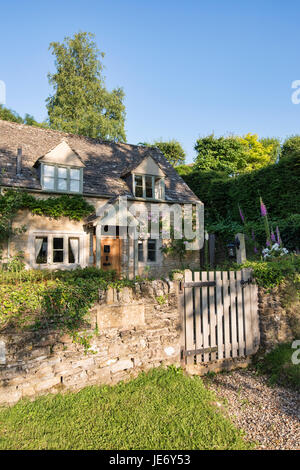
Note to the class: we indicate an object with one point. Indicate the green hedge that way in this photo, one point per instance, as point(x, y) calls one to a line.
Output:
point(277, 184)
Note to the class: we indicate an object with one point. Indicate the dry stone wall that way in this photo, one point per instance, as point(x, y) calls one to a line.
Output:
point(279, 317)
point(131, 331)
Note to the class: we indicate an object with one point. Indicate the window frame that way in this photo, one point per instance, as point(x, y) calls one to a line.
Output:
point(142, 248)
point(50, 249)
point(56, 178)
point(155, 179)
point(152, 240)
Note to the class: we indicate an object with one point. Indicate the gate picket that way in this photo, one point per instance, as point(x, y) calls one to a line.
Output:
point(205, 316)
point(227, 344)
point(246, 273)
point(198, 326)
point(220, 314)
point(212, 316)
point(233, 313)
point(241, 340)
point(189, 316)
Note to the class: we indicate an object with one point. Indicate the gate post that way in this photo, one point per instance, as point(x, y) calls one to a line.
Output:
point(241, 250)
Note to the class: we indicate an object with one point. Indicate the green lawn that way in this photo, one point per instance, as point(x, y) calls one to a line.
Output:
point(163, 409)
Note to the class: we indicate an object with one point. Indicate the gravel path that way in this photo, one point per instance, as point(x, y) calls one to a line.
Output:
point(270, 416)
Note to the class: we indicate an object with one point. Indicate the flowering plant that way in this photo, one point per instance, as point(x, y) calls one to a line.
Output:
point(275, 251)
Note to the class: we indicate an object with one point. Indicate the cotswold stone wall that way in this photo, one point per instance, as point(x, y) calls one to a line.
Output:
point(131, 331)
point(279, 316)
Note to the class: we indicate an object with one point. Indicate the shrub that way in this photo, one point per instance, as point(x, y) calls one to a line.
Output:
point(279, 366)
point(270, 274)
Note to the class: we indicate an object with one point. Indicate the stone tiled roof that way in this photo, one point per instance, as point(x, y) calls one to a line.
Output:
point(105, 162)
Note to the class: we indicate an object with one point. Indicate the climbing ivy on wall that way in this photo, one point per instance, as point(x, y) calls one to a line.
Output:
point(11, 200)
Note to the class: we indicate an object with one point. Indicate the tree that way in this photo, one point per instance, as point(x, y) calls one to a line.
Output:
point(234, 155)
point(276, 147)
point(171, 149)
point(291, 146)
point(12, 116)
point(225, 154)
point(258, 154)
point(9, 115)
point(81, 104)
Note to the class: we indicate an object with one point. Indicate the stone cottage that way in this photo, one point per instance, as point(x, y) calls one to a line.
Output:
point(50, 163)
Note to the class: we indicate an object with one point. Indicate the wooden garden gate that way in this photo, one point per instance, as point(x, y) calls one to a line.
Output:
point(220, 316)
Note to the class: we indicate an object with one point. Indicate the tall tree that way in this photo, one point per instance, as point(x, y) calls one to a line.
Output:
point(291, 146)
point(80, 103)
point(258, 154)
point(171, 149)
point(234, 155)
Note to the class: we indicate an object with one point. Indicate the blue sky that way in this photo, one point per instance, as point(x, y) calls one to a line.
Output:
point(188, 68)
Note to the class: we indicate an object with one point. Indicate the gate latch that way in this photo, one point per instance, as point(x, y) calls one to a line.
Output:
point(243, 282)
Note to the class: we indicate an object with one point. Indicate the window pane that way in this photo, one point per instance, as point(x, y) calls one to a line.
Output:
point(49, 170)
point(62, 172)
point(139, 186)
point(41, 250)
point(48, 182)
point(58, 256)
point(62, 184)
point(58, 243)
point(138, 180)
point(149, 192)
point(158, 188)
point(140, 251)
point(73, 250)
point(151, 245)
point(139, 191)
point(75, 174)
point(74, 186)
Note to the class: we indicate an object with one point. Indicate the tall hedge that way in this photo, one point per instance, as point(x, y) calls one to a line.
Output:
point(277, 184)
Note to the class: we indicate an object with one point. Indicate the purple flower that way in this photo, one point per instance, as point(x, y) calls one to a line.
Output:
point(268, 243)
point(273, 237)
point(242, 215)
point(255, 250)
point(263, 209)
point(278, 235)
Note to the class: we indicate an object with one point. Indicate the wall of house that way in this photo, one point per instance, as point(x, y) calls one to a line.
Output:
point(38, 225)
point(169, 262)
point(136, 330)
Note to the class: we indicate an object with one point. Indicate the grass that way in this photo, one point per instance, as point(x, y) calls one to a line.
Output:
point(278, 365)
point(161, 410)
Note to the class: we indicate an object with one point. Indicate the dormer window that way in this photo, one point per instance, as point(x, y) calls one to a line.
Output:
point(61, 179)
point(61, 170)
point(148, 186)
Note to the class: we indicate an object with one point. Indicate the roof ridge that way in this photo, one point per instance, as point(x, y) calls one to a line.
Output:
point(68, 134)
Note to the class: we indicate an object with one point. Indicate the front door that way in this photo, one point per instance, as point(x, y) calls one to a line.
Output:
point(111, 254)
